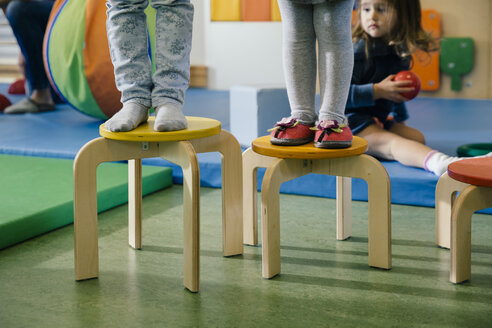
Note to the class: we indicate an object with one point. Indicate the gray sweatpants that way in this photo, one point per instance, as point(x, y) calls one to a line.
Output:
point(129, 48)
point(329, 23)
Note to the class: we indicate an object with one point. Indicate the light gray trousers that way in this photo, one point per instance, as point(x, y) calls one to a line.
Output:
point(329, 23)
point(129, 48)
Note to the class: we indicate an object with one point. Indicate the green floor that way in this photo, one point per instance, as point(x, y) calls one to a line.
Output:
point(324, 282)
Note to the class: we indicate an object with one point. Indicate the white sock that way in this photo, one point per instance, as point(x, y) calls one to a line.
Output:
point(437, 162)
point(131, 115)
point(169, 117)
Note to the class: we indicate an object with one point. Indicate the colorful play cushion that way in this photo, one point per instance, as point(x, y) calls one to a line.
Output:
point(76, 55)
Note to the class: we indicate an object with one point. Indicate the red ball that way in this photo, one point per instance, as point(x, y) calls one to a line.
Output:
point(409, 76)
point(4, 102)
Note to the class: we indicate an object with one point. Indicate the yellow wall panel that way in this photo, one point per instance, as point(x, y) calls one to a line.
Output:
point(275, 11)
point(225, 10)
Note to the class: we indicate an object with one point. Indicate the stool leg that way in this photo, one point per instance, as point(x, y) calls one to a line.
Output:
point(379, 203)
point(85, 213)
point(85, 196)
point(251, 162)
point(278, 172)
point(379, 196)
point(135, 203)
point(446, 190)
point(183, 154)
point(344, 208)
point(250, 198)
point(471, 199)
point(232, 189)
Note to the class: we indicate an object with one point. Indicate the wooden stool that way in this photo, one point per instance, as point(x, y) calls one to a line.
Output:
point(286, 163)
point(180, 147)
point(473, 179)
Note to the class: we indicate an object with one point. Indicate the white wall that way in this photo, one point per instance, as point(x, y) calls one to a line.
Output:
point(236, 52)
point(198, 45)
point(9, 52)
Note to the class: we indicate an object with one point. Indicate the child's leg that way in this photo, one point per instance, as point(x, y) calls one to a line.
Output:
point(407, 132)
point(332, 24)
point(388, 145)
point(172, 62)
point(127, 35)
point(299, 55)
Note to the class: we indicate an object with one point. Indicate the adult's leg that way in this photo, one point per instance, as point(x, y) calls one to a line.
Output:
point(174, 25)
point(28, 20)
point(128, 44)
point(299, 55)
point(332, 24)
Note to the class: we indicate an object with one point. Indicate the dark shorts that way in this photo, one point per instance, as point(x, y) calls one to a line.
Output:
point(359, 121)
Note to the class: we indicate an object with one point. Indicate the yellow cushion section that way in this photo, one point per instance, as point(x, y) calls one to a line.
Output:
point(198, 127)
point(275, 11)
point(263, 146)
point(225, 10)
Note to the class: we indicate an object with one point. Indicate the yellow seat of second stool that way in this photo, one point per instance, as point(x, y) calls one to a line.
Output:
point(263, 146)
point(198, 127)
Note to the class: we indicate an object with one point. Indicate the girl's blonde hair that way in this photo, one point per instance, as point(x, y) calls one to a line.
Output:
point(407, 35)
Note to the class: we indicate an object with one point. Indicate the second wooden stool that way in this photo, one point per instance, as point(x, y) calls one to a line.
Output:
point(286, 163)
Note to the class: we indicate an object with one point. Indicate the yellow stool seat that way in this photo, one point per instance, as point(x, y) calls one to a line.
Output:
point(180, 147)
point(198, 127)
point(284, 163)
point(263, 146)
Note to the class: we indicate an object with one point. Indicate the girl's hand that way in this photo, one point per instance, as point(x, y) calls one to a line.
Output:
point(391, 90)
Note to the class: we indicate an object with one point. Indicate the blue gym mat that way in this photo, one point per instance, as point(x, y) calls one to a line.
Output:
point(446, 124)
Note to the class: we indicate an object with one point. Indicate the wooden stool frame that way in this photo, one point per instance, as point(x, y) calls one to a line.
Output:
point(453, 221)
point(183, 153)
point(280, 170)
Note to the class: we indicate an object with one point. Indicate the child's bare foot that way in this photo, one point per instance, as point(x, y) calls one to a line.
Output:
point(128, 118)
point(169, 117)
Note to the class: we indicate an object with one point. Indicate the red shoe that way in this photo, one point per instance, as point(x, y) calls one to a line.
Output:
point(331, 135)
point(290, 132)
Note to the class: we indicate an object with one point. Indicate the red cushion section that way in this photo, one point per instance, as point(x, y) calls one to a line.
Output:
point(4, 102)
point(475, 171)
point(17, 88)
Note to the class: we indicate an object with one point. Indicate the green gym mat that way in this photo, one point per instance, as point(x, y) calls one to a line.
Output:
point(37, 193)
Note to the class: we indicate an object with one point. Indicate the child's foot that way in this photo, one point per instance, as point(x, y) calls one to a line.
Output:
point(169, 117)
point(329, 134)
point(291, 132)
point(437, 162)
point(128, 118)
